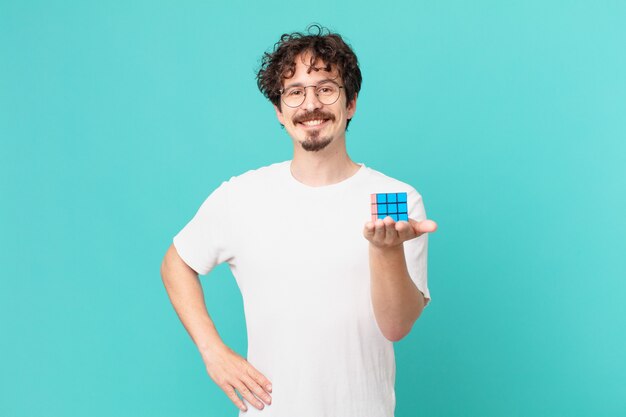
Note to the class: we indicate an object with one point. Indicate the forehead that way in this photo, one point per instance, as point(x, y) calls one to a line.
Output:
point(307, 70)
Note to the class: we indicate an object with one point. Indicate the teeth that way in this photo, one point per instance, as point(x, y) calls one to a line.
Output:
point(313, 122)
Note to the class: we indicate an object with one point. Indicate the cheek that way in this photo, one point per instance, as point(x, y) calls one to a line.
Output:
point(282, 116)
point(287, 117)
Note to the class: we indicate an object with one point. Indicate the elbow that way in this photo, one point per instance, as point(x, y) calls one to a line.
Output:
point(397, 334)
point(394, 338)
point(399, 330)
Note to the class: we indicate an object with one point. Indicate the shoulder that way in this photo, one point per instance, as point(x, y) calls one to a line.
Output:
point(258, 179)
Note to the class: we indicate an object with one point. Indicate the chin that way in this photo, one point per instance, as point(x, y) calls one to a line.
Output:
point(315, 145)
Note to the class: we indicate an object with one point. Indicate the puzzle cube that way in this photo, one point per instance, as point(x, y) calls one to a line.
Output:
point(393, 205)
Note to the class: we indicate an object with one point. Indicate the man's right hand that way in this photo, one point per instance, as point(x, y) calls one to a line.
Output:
point(230, 371)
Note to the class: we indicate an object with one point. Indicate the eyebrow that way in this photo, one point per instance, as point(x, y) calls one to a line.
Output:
point(302, 85)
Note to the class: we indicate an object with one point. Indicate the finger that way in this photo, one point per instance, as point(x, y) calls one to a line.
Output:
point(258, 390)
point(405, 231)
point(368, 231)
point(379, 231)
point(230, 393)
point(248, 395)
point(391, 235)
point(425, 226)
point(260, 379)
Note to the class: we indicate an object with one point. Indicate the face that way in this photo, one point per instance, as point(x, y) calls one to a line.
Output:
point(314, 125)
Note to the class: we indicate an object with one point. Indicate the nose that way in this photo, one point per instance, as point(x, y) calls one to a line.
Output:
point(311, 101)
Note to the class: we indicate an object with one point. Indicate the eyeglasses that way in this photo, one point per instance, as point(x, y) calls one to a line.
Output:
point(327, 93)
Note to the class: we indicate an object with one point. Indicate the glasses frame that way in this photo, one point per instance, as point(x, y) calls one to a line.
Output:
point(282, 91)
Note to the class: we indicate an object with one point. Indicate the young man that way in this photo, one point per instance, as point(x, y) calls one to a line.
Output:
point(325, 291)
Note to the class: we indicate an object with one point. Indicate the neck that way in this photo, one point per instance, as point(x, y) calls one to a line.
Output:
point(328, 166)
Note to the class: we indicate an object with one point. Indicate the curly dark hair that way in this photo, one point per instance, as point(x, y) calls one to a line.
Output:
point(325, 46)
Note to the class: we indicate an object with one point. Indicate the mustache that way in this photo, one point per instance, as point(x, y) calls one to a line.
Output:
point(313, 115)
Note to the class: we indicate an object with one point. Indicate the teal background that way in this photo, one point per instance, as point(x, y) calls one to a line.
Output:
point(118, 118)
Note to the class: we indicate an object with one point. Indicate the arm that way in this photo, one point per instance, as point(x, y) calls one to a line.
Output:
point(227, 369)
point(396, 300)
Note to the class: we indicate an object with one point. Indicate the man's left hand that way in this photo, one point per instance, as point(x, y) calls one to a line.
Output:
point(387, 233)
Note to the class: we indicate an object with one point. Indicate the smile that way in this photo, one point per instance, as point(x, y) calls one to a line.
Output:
point(313, 124)
point(314, 120)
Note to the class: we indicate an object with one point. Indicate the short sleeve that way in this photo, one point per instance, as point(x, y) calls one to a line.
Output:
point(203, 242)
point(416, 250)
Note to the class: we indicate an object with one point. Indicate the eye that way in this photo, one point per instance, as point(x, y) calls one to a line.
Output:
point(326, 89)
point(294, 92)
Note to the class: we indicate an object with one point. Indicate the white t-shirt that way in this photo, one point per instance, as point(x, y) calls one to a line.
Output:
point(301, 262)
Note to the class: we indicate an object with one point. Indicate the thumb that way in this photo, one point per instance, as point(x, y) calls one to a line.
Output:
point(425, 226)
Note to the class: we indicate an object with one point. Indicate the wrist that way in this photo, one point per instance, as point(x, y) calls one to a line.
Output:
point(387, 250)
point(208, 350)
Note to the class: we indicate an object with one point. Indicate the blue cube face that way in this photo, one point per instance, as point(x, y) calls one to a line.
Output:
point(394, 205)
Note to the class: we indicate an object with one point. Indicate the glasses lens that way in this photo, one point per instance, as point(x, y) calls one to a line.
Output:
point(294, 96)
point(327, 92)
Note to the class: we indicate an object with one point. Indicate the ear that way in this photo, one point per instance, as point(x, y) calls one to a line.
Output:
point(279, 115)
point(352, 107)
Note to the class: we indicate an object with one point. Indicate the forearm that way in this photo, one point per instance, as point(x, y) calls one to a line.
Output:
point(396, 300)
point(185, 292)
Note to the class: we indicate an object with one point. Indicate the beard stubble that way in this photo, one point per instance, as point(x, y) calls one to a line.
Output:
point(313, 143)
